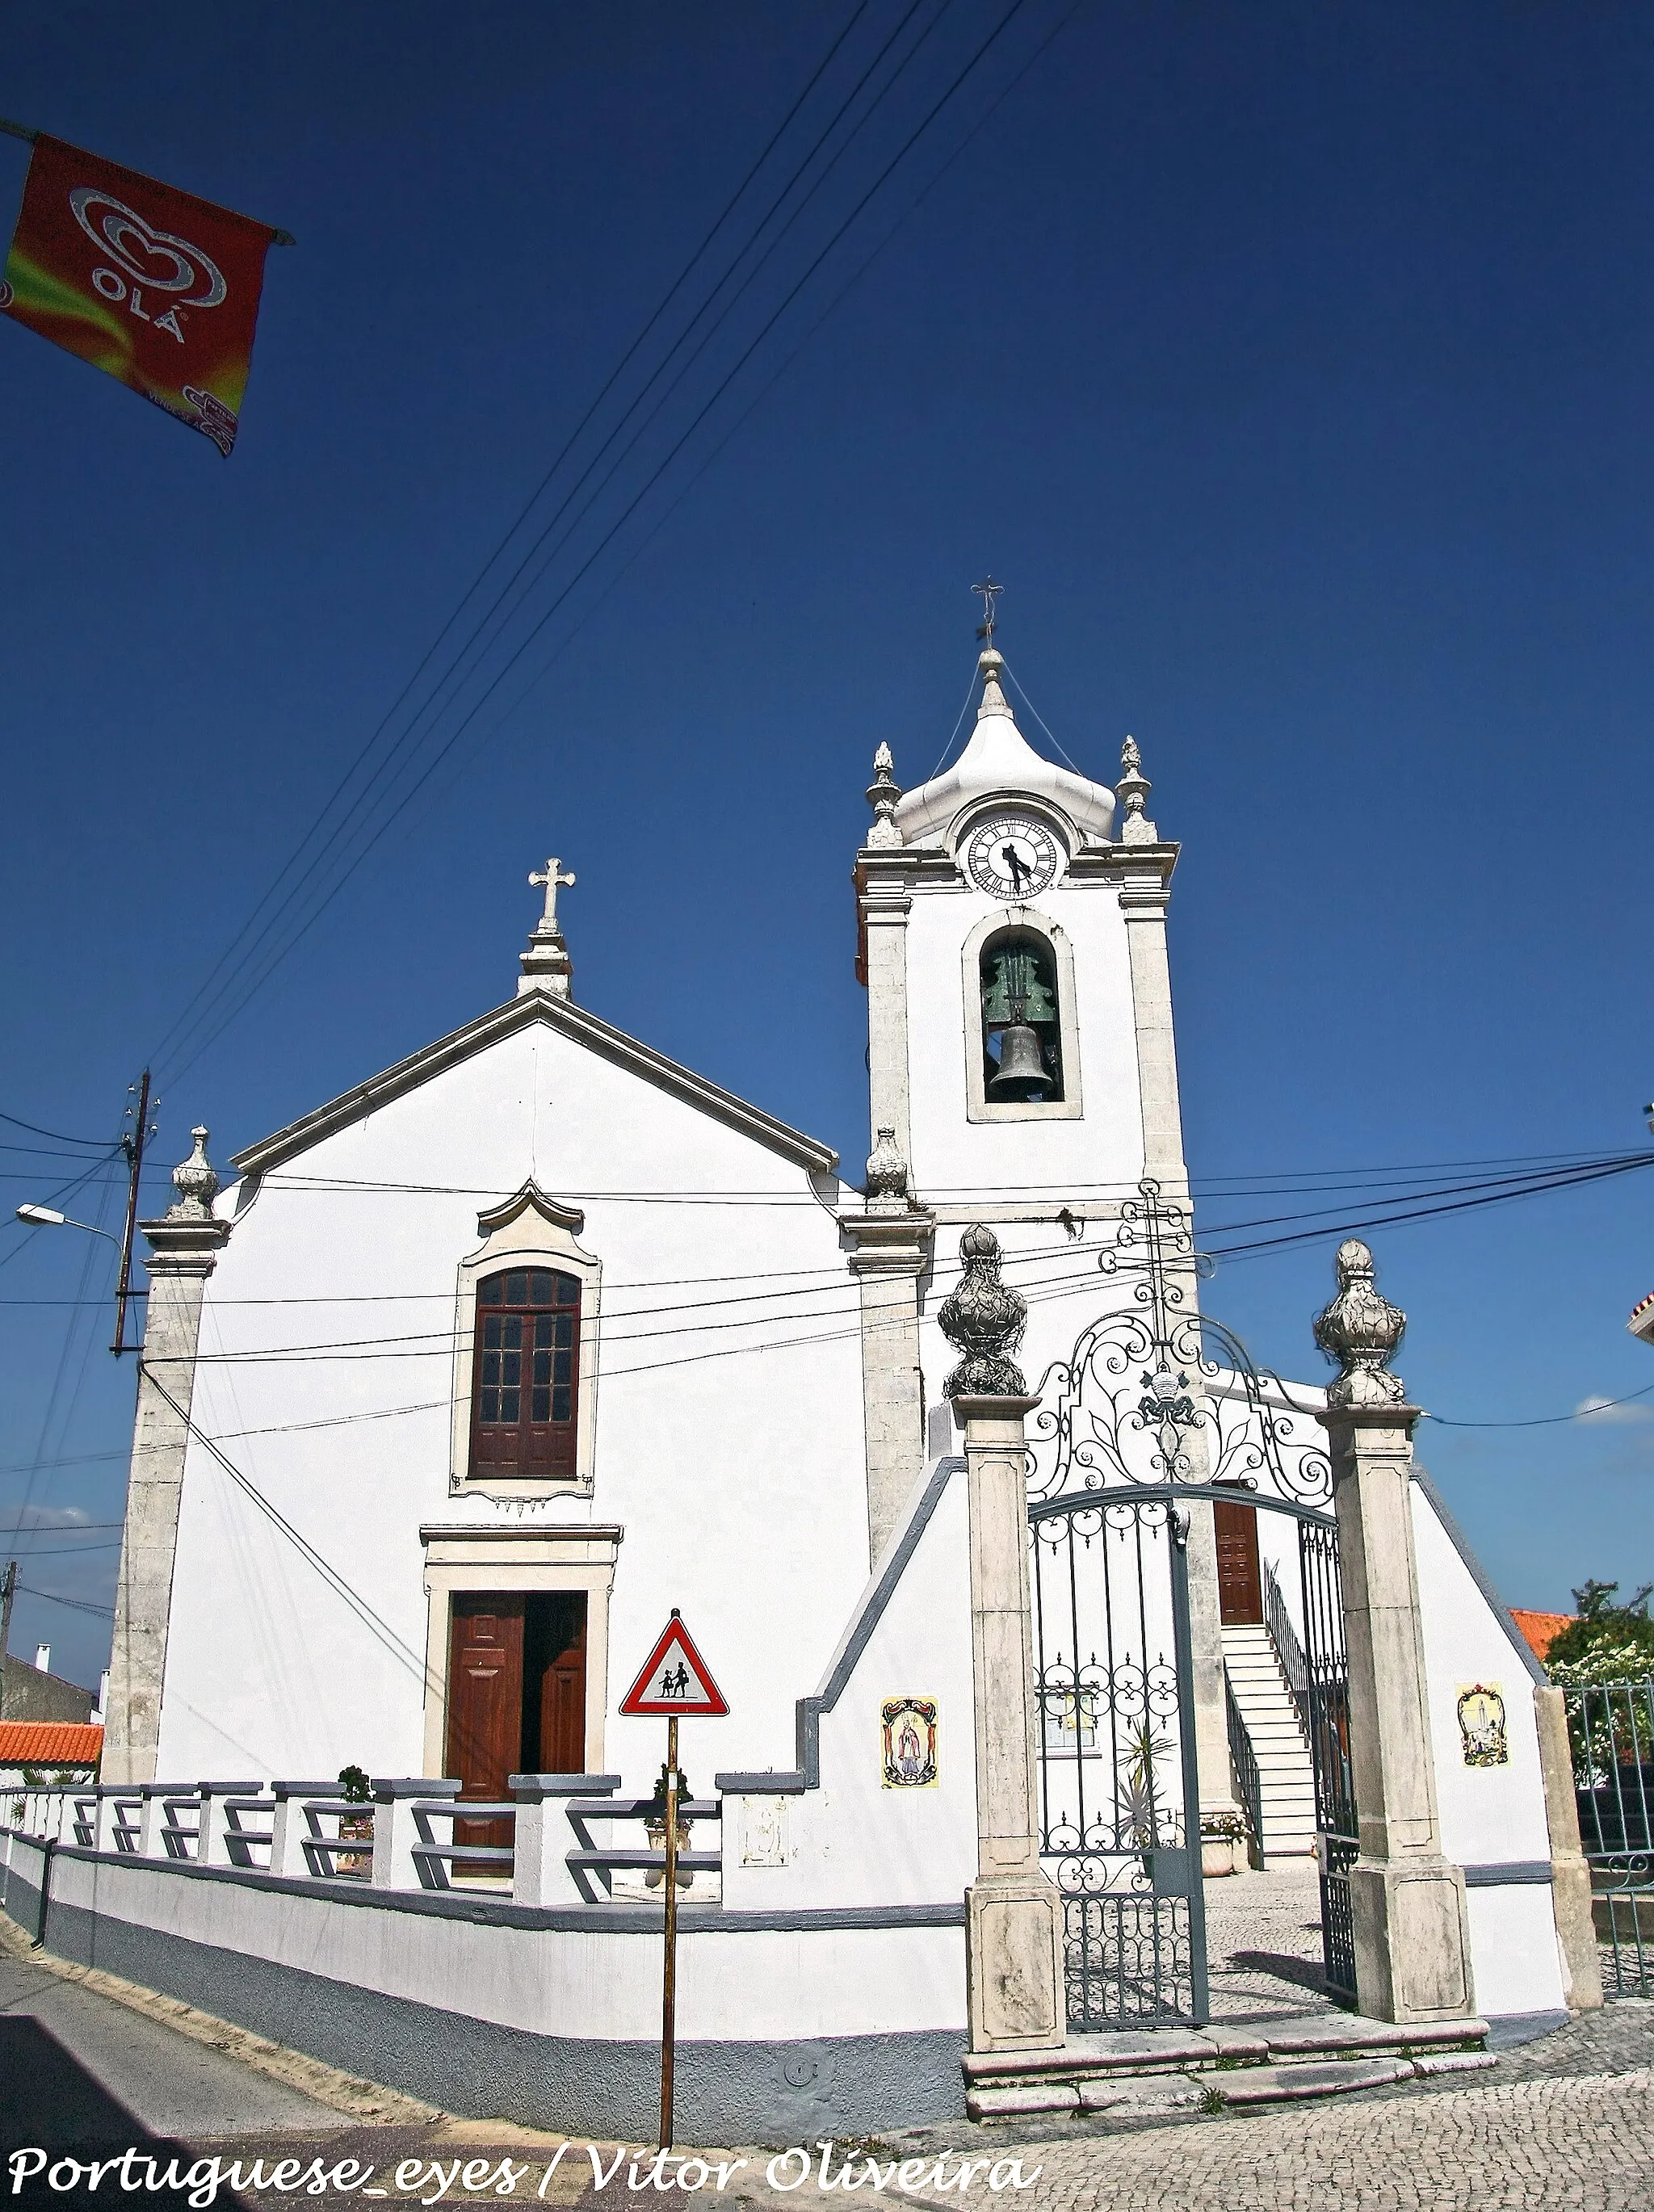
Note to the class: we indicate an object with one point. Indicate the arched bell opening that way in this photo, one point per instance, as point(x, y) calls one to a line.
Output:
point(1022, 1021)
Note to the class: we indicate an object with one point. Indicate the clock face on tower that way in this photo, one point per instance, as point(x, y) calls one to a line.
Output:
point(1011, 856)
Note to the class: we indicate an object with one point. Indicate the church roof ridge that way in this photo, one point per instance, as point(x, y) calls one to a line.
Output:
point(999, 761)
point(578, 1022)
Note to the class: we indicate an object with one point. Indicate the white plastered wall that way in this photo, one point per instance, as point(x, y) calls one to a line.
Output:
point(738, 1478)
point(1491, 1816)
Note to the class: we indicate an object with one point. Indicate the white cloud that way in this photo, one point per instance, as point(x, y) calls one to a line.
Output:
point(1606, 1410)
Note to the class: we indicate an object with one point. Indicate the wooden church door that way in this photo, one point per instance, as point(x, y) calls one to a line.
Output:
point(486, 1703)
point(516, 1696)
point(1240, 1576)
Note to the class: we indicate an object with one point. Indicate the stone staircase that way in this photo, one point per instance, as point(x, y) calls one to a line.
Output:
point(1207, 2068)
point(1286, 1779)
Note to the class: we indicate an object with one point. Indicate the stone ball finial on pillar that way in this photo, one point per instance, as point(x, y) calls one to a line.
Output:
point(196, 1180)
point(1361, 1330)
point(984, 1319)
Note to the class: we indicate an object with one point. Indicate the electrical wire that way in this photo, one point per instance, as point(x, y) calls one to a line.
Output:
point(499, 598)
point(291, 943)
point(567, 448)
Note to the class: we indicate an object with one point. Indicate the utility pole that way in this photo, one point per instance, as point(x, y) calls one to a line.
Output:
point(7, 1591)
point(133, 1145)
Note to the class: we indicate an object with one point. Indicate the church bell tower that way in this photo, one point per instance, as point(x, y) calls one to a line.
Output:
point(1021, 1064)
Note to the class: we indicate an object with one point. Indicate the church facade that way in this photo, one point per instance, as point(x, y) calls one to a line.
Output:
point(472, 1375)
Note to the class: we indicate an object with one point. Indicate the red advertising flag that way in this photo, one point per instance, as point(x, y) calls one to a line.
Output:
point(148, 284)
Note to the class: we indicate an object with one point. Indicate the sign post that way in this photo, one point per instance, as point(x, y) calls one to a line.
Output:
point(675, 1681)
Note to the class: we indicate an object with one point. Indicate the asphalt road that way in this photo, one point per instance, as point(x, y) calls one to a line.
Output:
point(78, 2070)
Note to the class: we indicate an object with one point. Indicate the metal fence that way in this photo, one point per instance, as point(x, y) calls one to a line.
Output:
point(1611, 1731)
point(1326, 1698)
point(1247, 1783)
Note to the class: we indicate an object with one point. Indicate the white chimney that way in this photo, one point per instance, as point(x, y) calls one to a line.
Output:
point(103, 1696)
point(43, 1657)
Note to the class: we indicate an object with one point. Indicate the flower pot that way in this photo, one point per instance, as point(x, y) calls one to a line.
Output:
point(355, 1828)
point(656, 1832)
point(1222, 1855)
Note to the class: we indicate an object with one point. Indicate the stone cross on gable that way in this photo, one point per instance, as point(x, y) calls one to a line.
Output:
point(553, 879)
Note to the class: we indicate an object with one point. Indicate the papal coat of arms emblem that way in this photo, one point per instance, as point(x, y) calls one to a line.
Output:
point(909, 1740)
point(1482, 1725)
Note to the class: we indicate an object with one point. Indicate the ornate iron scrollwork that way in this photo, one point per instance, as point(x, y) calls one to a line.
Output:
point(1143, 1381)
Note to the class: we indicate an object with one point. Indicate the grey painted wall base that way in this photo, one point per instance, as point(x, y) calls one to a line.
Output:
point(727, 2093)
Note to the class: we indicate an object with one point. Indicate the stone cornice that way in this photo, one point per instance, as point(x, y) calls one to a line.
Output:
point(530, 1197)
point(183, 1248)
point(889, 1244)
point(574, 1022)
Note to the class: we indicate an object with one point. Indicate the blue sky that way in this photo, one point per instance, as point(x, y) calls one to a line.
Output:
point(1289, 365)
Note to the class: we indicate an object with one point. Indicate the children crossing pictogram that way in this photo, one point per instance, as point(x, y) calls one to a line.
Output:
point(676, 1680)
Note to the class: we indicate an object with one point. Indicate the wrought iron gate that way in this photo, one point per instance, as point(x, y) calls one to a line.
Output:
point(1156, 1406)
point(1611, 1733)
point(1119, 1792)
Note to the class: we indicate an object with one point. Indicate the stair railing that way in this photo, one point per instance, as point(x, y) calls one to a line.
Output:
point(1289, 1652)
point(1247, 1785)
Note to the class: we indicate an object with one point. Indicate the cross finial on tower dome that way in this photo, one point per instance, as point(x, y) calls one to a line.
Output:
point(987, 591)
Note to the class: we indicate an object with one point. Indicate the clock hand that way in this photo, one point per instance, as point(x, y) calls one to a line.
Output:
point(1014, 867)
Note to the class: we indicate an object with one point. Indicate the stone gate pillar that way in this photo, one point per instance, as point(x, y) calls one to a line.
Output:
point(1013, 1932)
point(184, 1248)
point(1412, 1936)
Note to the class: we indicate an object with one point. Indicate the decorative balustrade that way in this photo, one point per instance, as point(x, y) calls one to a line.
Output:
point(559, 1844)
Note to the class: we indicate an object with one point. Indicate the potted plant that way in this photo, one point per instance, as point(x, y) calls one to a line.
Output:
point(355, 1828)
point(654, 1827)
point(1225, 1843)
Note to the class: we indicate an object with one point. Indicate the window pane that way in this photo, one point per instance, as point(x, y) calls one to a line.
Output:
point(490, 1367)
point(564, 1326)
point(491, 1327)
point(511, 1367)
point(513, 1326)
point(565, 1367)
point(489, 1291)
point(542, 1373)
point(540, 1288)
point(490, 1406)
point(542, 1407)
point(516, 1292)
point(510, 1406)
point(544, 1324)
point(560, 1405)
point(568, 1291)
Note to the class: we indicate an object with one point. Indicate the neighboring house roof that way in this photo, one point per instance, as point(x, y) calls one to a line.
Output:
point(1642, 1319)
point(50, 1743)
point(504, 1021)
point(1538, 1628)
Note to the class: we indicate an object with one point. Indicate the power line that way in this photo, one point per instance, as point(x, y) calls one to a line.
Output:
point(567, 448)
point(470, 714)
point(79, 1604)
point(387, 765)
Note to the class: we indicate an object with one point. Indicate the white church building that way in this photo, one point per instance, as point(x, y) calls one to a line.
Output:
point(464, 1381)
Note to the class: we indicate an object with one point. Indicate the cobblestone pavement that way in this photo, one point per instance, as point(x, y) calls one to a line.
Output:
point(1564, 2121)
point(1263, 1943)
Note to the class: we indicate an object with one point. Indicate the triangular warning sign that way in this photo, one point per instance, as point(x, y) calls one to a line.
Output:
point(676, 1680)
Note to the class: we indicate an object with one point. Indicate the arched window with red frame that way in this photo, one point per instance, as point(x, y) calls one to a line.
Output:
point(524, 1395)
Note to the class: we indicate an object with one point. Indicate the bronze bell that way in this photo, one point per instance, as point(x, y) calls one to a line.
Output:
point(1022, 1072)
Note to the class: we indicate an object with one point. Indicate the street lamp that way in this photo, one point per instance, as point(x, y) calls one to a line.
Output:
point(47, 1216)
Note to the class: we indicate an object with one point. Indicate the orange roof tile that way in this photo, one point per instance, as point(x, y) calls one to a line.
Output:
point(50, 1743)
point(1538, 1628)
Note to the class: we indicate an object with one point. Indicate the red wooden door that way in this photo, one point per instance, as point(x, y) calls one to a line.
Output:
point(554, 1683)
point(486, 1703)
point(1240, 1578)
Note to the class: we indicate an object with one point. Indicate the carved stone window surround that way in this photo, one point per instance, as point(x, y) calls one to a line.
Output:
point(979, 1107)
point(529, 1230)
